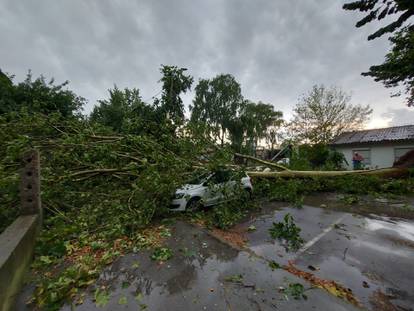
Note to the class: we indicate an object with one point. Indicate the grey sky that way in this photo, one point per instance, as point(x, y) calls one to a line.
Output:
point(276, 49)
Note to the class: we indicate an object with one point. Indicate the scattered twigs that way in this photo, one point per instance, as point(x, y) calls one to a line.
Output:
point(56, 211)
point(106, 137)
point(87, 177)
point(99, 171)
point(123, 155)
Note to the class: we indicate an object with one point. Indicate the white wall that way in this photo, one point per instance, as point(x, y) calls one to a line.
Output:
point(381, 155)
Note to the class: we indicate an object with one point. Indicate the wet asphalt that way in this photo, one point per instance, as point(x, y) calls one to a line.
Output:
point(372, 256)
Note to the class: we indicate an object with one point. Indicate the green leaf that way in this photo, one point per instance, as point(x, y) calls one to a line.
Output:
point(274, 265)
point(123, 300)
point(139, 297)
point(236, 278)
point(251, 228)
point(162, 254)
point(101, 298)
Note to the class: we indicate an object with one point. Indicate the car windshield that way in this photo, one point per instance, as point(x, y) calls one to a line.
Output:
point(199, 179)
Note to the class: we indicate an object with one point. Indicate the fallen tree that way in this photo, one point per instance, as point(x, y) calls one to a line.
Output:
point(101, 190)
point(392, 172)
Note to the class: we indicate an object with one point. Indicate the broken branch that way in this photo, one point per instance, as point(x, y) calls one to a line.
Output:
point(273, 165)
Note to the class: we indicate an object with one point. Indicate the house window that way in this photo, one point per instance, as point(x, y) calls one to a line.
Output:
point(399, 152)
point(366, 154)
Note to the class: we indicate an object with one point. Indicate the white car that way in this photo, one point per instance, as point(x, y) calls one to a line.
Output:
point(209, 189)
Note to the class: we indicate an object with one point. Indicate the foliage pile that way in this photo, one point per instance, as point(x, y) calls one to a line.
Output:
point(227, 214)
point(293, 190)
point(99, 190)
point(89, 171)
point(235, 205)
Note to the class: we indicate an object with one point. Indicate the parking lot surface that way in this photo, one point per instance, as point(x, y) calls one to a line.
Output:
point(347, 262)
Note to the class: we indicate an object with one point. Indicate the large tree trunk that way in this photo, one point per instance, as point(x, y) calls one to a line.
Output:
point(385, 173)
point(285, 172)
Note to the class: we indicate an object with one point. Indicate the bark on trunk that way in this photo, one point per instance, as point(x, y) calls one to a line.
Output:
point(385, 173)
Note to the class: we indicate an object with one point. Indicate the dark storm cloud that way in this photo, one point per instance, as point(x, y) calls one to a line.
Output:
point(276, 49)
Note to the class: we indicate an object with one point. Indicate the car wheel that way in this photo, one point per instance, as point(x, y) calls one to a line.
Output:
point(193, 205)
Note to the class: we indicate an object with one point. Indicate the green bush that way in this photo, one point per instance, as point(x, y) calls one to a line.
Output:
point(316, 157)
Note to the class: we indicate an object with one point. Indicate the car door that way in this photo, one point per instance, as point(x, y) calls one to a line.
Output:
point(214, 188)
point(219, 187)
point(211, 192)
point(229, 185)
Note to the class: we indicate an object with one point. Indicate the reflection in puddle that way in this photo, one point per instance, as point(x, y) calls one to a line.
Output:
point(402, 228)
point(384, 249)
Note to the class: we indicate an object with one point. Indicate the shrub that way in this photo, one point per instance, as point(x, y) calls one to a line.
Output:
point(319, 157)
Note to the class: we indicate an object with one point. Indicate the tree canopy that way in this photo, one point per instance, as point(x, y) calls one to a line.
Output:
point(324, 113)
point(256, 119)
point(125, 112)
point(379, 9)
point(174, 83)
point(217, 102)
point(398, 67)
point(226, 116)
point(38, 96)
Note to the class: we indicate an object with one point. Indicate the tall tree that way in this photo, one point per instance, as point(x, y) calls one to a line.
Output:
point(124, 111)
point(256, 120)
point(398, 68)
point(324, 113)
point(217, 102)
point(174, 83)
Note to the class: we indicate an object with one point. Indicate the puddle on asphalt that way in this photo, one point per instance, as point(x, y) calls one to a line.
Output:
point(402, 228)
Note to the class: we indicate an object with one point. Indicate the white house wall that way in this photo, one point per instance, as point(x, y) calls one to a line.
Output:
point(382, 156)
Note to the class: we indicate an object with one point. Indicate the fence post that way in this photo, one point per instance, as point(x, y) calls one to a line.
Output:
point(18, 240)
point(30, 184)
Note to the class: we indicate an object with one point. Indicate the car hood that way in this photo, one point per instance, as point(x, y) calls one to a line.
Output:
point(188, 187)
